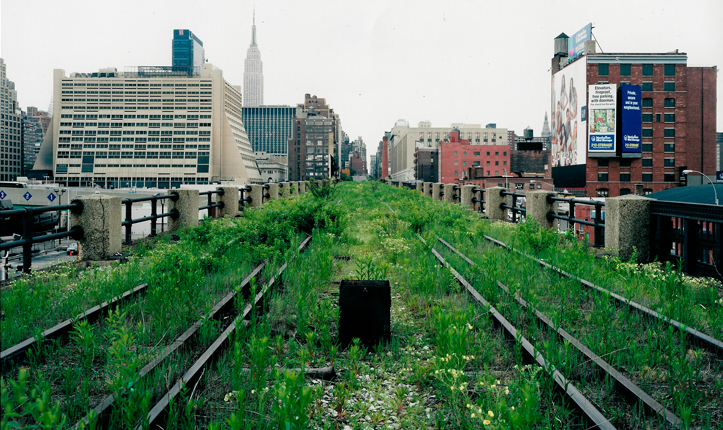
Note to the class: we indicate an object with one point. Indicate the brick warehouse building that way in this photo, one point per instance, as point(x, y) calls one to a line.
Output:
point(457, 157)
point(678, 113)
point(317, 134)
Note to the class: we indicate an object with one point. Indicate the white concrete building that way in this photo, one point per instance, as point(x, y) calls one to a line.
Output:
point(150, 127)
point(404, 139)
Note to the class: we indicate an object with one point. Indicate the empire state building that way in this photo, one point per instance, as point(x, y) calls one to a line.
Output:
point(253, 73)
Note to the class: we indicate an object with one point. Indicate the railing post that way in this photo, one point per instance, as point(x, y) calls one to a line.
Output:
point(627, 226)
point(494, 200)
point(449, 193)
point(257, 192)
point(154, 213)
point(420, 187)
point(437, 190)
point(273, 191)
point(187, 207)
point(129, 227)
point(101, 223)
point(466, 196)
point(598, 229)
point(284, 189)
point(28, 236)
point(427, 189)
point(301, 187)
point(229, 198)
point(538, 207)
point(295, 186)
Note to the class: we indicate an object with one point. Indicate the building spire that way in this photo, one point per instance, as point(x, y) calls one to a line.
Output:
point(253, 30)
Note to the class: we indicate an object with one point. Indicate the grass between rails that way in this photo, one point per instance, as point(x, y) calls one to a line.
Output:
point(446, 366)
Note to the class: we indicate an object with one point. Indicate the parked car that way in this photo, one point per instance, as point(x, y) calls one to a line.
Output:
point(72, 249)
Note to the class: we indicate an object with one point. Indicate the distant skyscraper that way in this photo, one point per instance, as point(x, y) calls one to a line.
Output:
point(269, 127)
point(188, 53)
point(11, 140)
point(253, 73)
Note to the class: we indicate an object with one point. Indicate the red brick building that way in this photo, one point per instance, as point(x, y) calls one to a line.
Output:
point(457, 157)
point(678, 109)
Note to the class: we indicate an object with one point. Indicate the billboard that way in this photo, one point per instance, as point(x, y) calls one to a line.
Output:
point(601, 105)
point(568, 121)
point(576, 44)
point(630, 120)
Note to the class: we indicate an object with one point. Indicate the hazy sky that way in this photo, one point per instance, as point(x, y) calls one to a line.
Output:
point(374, 61)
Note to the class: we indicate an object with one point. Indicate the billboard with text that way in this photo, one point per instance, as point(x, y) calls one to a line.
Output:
point(630, 120)
point(576, 44)
point(567, 119)
point(602, 110)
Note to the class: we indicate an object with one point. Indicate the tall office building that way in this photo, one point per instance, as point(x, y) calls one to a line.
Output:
point(270, 128)
point(35, 122)
point(11, 138)
point(188, 52)
point(166, 129)
point(253, 73)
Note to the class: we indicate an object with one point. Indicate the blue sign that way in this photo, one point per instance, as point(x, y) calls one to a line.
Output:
point(576, 44)
point(51, 197)
point(602, 142)
point(718, 178)
point(27, 195)
point(631, 119)
point(2, 195)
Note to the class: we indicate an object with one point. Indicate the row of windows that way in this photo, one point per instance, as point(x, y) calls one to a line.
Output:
point(648, 102)
point(668, 117)
point(625, 69)
point(477, 153)
point(131, 116)
point(130, 84)
point(646, 177)
point(648, 132)
point(646, 162)
point(667, 86)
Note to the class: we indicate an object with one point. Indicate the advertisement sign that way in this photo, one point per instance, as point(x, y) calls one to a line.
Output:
point(630, 119)
point(567, 121)
point(601, 105)
point(576, 44)
point(719, 176)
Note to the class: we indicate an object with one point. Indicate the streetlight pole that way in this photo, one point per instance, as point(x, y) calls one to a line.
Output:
point(715, 192)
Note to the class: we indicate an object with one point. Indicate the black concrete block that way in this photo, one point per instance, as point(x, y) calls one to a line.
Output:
point(365, 312)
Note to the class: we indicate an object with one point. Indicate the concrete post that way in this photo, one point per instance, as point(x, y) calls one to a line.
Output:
point(101, 222)
point(284, 190)
point(295, 186)
point(273, 191)
point(437, 190)
point(494, 200)
point(450, 193)
point(538, 207)
point(230, 202)
point(400, 184)
point(257, 193)
point(306, 186)
point(427, 189)
point(466, 196)
point(420, 187)
point(302, 187)
point(627, 226)
point(187, 207)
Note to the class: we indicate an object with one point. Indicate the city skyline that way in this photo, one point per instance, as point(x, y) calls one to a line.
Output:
point(375, 62)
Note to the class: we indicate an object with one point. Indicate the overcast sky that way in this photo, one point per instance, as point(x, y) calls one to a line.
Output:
point(374, 61)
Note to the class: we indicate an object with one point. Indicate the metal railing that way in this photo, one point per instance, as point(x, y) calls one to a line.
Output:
point(129, 221)
point(210, 205)
point(476, 191)
point(242, 201)
point(265, 196)
point(688, 235)
point(28, 237)
point(517, 211)
point(598, 222)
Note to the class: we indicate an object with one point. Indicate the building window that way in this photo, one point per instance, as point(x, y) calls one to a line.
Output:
point(61, 168)
point(602, 192)
point(624, 191)
point(669, 117)
point(456, 163)
point(647, 177)
point(647, 147)
point(669, 177)
point(456, 172)
point(602, 176)
point(464, 154)
point(603, 162)
point(669, 162)
point(647, 102)
point(647, 191)
point(669, 86)
point(669, 132)
point(603, 69)
point(670, 70)
point(647, 70)
point(670, 102)
point(477, 163)
point(647, 86)
point(476, 154)
point(625, 70)
point(669, 147)
point(647, 132)
point(647, 117)
point(647, 162)
point(456, 154)
point(532, 186)
point(626, 162)
point(625, 177)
